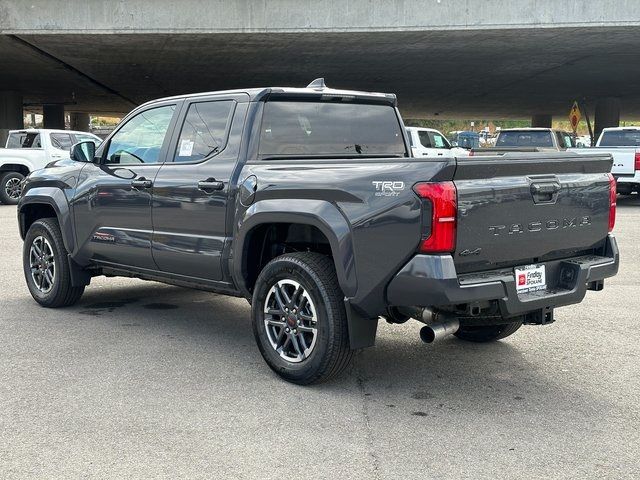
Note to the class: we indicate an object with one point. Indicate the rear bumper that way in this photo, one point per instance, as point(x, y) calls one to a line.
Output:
point(432, 281)
point(631, 179)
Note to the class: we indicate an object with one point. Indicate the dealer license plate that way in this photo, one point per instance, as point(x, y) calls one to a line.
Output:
point(530, 278)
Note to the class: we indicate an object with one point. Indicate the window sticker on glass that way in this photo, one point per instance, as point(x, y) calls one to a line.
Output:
point(438, 141)
point(186, 148)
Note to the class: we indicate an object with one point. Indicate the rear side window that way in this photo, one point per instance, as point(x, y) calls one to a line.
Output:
point(61, 141)
point(205, 130)
point(299, 129)
point(621, 138)
point(24, 140)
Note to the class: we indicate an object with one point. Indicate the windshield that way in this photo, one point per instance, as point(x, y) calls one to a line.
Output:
point(24, 140)
point(528, 138)
point(301, 128)
point(620, 138)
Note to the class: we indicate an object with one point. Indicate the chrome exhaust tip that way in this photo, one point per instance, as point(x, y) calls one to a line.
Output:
point(438, 331)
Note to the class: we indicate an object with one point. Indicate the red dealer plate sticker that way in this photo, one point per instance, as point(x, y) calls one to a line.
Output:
point(530, 278)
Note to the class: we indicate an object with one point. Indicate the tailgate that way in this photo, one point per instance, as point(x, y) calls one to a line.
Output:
point(520, 209)
point(624, 160)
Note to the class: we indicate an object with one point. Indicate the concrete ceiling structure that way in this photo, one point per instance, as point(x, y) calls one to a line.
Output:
point(443, 58)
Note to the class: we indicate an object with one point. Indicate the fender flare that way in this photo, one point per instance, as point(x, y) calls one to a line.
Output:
point(15, 161)
point(55, 198)
point(319, 213)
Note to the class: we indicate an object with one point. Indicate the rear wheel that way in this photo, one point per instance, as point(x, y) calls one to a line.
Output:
point(487, 333)
point(11, 187)
point(46, 266)
point(299, 319)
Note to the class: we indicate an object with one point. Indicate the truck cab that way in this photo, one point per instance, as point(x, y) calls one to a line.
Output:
point(428, 142)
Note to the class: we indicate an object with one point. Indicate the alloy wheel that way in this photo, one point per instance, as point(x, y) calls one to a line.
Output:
point(42, 263)
point(13, 188)
point(290, 320)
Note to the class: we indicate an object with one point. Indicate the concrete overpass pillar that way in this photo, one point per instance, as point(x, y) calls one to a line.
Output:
point(541, 121)
point(53, 116)
point(79, 121)
point(607, 114)
point(10, 114)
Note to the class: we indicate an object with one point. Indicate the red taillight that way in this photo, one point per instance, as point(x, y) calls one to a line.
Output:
point(637, 162)
point(612, 200)
point(441, 238)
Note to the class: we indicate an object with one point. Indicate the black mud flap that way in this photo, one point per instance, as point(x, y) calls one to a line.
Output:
point(79, 276)
point(362, 330)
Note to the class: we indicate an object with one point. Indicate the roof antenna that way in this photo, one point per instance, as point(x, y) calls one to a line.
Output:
point(318, 84)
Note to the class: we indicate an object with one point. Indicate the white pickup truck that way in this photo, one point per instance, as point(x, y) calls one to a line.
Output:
point(32, 149)
point(623, 143)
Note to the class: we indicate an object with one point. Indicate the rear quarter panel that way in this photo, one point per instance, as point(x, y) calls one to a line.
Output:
point(384, 220)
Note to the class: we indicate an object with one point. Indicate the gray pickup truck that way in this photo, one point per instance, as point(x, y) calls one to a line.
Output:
point(308, 203)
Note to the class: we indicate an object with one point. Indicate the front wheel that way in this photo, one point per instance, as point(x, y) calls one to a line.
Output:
point(11, 188)
point(46, 267)
point(299, 319)
point(487, 333)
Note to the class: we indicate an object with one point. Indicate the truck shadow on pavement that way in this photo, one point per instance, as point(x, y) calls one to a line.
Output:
point(400, 371)
point(628, 201)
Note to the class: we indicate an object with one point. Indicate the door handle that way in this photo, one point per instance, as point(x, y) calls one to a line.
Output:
point(210, 185)
point(141, 183)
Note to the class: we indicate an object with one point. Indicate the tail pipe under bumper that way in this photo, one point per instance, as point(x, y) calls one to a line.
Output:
point(439, 325)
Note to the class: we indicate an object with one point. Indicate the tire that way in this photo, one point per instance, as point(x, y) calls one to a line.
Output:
point(55, 289)
point(10, 189)
point(487, 333)
point(309, 281)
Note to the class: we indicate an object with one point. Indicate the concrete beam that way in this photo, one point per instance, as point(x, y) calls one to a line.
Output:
point(79, 121)
point(541, 120)
point(53, 116)
point(245, 16)
point(11, 116)
point(607, 114)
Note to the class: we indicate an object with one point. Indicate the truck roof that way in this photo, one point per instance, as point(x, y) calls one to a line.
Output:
point(528, 129)
point(47, 130)
point(314, 89)
point(621, 129)
point(423, 129)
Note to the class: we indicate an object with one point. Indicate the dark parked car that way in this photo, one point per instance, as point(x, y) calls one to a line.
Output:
point(307, 202)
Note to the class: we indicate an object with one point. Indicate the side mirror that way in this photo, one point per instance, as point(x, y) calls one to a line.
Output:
point(83, 152)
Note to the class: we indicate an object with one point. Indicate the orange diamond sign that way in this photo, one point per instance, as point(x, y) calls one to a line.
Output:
point(575, 116)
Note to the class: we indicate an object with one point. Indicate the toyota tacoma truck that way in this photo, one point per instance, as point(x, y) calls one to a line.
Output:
point(31, 149)
point(308, 203)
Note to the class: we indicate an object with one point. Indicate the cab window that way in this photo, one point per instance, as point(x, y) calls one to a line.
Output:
point(140, 139)
point(433, 140)
point(61, 141)
point(204, 131)
point(24, 140)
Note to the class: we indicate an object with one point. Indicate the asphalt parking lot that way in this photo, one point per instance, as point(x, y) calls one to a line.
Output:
point(145, 380)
